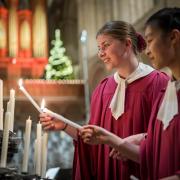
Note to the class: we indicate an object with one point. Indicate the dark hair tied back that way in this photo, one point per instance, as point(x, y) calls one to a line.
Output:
point(121, 30)
point(166, 19)
point(141, 43)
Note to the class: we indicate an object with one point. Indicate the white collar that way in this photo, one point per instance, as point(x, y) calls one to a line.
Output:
point(169, 106)
point(118, 100)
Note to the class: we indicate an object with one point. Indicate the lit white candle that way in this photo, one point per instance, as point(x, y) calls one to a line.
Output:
point(5, 140)
point(12, 106)
point(1, 105)
point(26, 145)
point(44, 154)
point(28, 96)
point(38, 146)
point(58, 116)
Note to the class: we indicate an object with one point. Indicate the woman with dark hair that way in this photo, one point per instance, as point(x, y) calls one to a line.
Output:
point(121, 103)
point(159, 153)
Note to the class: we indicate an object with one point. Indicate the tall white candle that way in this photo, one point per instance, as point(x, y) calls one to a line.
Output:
point(1, 119)
point(12, 106)
point(28, 96)
point(1, 105)
point(35, 153)
point(44, 154)
point(38, 154)
point(5, 140)
point(8, 107)
point(26, 145)
point(61, 118)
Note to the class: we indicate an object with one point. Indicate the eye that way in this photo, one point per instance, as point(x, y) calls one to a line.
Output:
point(106, 44)
point(149, 41)
point(99, 49)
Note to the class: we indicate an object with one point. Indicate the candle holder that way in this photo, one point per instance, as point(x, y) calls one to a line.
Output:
point(7, 173)
point(13, 144)
point(12, 174)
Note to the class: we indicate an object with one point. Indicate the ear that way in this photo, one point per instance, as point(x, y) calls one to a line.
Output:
point(175, 36)
point(128, 43)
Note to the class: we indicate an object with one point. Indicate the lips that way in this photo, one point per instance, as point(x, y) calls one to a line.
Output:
point(106, 60)
point(151, 58)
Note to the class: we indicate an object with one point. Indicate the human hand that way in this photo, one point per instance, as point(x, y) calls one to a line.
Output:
point(92, 134)
point(115, 154)
point(50, 123)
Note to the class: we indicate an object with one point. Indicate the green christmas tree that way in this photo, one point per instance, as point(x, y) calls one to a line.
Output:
point(59, 66)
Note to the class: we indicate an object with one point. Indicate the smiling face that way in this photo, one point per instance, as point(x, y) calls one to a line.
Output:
point(111, 51)
point(159, 47)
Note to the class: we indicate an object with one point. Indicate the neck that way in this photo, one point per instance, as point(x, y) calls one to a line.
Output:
point(128, 68)
point(175, 67)
point(176, 71)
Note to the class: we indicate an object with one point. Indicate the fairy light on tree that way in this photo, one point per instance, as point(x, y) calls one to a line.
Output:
point(59, 66)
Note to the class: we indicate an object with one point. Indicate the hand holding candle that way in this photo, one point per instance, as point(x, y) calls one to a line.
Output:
point(58, 117)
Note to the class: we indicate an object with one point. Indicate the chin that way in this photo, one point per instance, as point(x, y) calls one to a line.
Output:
point(157, 66)
point(109, 67)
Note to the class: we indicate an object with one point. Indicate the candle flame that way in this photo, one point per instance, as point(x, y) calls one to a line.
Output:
point(20, 82)
point(43, 104)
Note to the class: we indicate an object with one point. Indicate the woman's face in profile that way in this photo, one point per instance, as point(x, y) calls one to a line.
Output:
point(111, 51)
point(159, 48)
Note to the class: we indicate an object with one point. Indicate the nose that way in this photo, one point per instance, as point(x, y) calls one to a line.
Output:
point(147, 51)
point(101, 53)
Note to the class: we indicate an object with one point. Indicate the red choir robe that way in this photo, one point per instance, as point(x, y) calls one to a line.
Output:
point(93, 162)
point(160, 152)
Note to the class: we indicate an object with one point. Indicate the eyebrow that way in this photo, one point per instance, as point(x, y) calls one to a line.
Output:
point(104, 42)
point(148, 35)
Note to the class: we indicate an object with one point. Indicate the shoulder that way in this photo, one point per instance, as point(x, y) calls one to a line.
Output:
point(107, 84)
point(160, 75)
point(158, 78)
point(155, 81)
point(106, 81)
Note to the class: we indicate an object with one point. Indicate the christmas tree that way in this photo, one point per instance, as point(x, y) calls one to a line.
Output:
point(59, 66)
